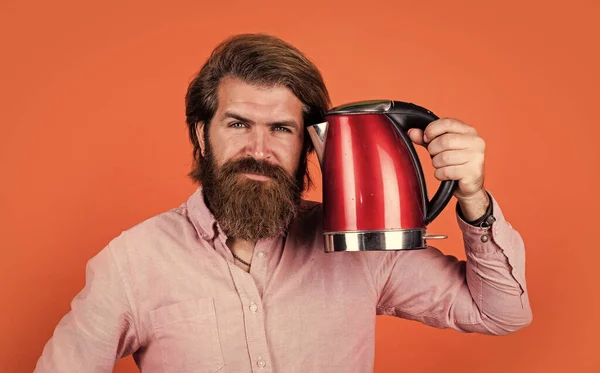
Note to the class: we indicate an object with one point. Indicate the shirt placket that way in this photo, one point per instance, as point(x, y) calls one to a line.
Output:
point(252, 308)
point(259, 264)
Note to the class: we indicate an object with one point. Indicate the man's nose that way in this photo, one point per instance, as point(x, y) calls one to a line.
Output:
point(259, 147)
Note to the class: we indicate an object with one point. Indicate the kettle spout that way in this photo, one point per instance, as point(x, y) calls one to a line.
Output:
point(318, 134)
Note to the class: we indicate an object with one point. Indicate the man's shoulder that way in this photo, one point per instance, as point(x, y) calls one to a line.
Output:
point(307, 205)
point(166, 220)
point(170, 224)
point(309, 211)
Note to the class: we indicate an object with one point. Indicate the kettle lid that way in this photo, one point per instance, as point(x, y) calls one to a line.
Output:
point(379, 106)
point(371, 106)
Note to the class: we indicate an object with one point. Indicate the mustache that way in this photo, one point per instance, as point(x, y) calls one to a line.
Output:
point(251, 165)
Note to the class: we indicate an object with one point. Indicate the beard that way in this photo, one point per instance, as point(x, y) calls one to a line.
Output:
point(249, 209)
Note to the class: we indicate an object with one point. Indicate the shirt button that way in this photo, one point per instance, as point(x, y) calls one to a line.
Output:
point(261, 254)
point(261, 363)
point(484, 238)
point(253, 307)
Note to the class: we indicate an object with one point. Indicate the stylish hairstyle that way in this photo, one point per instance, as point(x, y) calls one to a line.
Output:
point(263, 60)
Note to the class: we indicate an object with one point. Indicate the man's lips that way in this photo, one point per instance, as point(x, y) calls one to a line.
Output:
point(256, 176)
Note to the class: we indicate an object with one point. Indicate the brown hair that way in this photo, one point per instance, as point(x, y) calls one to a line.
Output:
point(260, 59)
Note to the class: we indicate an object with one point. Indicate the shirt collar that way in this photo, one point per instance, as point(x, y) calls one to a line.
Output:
point(202, 218)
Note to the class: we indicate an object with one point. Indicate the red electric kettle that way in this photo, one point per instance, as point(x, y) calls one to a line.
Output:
point(374, 192)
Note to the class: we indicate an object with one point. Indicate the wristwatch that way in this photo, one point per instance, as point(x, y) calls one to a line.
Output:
point(484, 221)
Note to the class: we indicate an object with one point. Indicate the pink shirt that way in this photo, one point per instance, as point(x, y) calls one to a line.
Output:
point(168, 292)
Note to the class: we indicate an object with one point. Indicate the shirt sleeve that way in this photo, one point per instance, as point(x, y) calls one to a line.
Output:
point(486, 293)
point(98, 330)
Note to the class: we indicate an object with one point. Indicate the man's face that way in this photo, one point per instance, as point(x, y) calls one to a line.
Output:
point(250, 159)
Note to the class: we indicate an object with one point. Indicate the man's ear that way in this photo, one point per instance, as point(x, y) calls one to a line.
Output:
point(200, 136)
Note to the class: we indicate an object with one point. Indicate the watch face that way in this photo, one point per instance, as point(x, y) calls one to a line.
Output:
point(489, 221)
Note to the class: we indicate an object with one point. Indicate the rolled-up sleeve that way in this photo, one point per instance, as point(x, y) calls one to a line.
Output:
point(486, 293)
point(98, 330)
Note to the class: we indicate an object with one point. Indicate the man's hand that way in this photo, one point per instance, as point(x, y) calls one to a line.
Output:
point(458, 153)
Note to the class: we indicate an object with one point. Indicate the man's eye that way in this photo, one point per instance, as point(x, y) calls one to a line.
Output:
point(281, 129)
point(237, 125)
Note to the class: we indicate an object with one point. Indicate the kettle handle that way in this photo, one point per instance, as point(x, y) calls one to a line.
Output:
point(407, 116)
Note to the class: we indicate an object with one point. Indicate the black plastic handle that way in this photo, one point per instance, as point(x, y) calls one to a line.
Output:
point(406, 116)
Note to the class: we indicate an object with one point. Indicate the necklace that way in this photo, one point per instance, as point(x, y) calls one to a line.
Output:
point(241, 260)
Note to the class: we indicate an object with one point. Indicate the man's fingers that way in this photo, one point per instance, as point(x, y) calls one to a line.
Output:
point(452, 158)
point(416, 135)
point(448, 141)
point(447, 125)
point(450, 173)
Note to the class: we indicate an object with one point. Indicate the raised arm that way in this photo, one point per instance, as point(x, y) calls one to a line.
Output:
point(485, 294)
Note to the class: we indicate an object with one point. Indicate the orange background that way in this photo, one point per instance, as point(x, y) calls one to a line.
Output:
point(93, 141)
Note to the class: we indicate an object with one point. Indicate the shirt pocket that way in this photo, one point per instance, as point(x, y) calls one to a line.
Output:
point(188, 336)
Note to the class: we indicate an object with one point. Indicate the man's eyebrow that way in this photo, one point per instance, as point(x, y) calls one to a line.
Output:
point(230, 114)
point(241, 118)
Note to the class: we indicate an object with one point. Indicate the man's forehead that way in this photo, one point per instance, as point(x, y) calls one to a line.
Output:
point(258, 102)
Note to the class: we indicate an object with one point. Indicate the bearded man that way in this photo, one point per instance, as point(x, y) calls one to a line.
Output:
point(236, 278)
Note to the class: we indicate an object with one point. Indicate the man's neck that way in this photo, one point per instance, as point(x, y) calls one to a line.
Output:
point(243, 249)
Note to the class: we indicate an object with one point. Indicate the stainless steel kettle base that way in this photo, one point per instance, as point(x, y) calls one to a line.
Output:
point(405, 239)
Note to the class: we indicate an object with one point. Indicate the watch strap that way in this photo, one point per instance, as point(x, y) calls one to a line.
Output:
point(485, 221)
